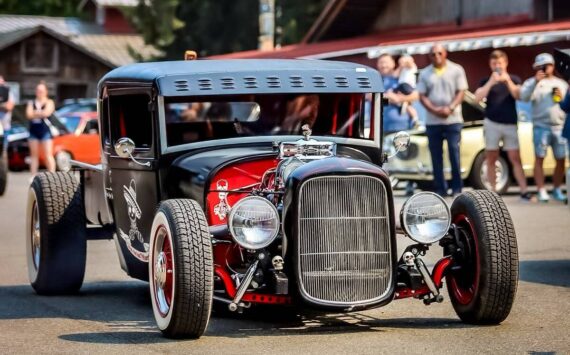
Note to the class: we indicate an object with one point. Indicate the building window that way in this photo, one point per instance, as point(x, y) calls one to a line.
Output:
point(39, 55)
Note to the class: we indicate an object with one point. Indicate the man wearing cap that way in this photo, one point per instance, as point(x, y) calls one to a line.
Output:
point(545, 91)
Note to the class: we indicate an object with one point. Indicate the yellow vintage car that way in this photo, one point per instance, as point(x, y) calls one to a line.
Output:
point(414, 164)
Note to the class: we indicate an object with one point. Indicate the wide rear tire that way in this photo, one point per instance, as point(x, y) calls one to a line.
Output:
point(181, 269)
point(483, 289)
point(56, 240)
point(3, 171)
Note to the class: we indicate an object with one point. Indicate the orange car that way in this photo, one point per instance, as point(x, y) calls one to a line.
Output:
point(81, 144)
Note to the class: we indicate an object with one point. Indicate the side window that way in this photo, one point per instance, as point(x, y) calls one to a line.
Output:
point(91, 127)
point(130, 117)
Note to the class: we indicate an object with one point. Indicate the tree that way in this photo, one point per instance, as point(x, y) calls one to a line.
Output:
point(62, 8)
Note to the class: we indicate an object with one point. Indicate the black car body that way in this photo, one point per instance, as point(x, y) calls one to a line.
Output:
point(269, 184)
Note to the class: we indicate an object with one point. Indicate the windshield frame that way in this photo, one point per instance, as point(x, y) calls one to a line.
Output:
point(166, 149)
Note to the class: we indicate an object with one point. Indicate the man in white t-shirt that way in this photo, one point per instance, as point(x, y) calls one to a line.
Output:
point(545, 91)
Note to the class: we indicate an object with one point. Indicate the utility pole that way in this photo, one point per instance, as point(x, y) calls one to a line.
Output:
point(266, 40)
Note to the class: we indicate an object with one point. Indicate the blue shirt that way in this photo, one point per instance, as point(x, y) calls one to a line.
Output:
point(393, 119)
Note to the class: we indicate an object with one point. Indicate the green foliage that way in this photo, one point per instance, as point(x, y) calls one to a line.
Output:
point(297, 17)
point(62, 8)
point(155, 20)
point(214, 27)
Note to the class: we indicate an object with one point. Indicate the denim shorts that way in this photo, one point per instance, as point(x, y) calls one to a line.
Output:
point(544, 137)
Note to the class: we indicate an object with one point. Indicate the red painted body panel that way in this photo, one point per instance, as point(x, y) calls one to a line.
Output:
point(234, 176)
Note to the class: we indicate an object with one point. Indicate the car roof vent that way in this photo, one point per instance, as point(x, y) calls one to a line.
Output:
point(319, 81)
point(181, 85)
point(228, 83)
point(273, 81)
point(341, 81)
point(363, 82)
point(296, 81)
point(250, 82)
point(205, 84)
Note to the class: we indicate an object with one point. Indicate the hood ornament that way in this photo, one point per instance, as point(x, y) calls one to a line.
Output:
point(306, 131)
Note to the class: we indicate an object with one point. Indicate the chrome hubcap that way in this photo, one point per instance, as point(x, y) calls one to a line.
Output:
point(160, 270)
point(501, 176)
point(36, 236)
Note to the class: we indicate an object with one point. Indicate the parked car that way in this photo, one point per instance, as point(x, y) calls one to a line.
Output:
point(76, 106)
point(415, 163)
point(249, 182)
point(77, 138)
point(82, 143)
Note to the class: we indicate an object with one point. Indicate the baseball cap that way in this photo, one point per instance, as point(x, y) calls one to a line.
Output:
point(542, 59)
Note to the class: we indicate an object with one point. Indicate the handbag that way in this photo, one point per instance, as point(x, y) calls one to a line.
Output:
point(52, 129)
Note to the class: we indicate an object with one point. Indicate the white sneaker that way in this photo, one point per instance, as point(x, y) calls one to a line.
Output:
point(543, 195)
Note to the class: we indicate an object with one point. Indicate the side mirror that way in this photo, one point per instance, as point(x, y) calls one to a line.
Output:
point(124, 147)
point(401, 141)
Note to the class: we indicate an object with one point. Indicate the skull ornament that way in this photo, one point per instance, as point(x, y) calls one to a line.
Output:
point(277, 262)
point(408, 258)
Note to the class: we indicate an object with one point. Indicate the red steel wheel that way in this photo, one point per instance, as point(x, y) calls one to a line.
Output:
point(464, 283)
point(163, 271)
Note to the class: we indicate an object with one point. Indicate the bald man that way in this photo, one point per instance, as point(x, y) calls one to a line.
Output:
point(441, 86)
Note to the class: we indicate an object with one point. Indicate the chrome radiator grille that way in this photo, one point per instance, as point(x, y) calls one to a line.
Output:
point(344, 239)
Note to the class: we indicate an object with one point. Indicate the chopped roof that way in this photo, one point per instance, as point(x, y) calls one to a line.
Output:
point(250, 76)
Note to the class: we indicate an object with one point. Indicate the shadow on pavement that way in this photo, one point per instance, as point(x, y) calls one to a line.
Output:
point(125, 316)
point(548, 272)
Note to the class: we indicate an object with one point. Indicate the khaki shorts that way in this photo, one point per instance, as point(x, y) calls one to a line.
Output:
point(495, 133)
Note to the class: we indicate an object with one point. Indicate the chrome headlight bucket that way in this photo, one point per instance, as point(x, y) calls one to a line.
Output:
point(254, 222)
point(425, 217)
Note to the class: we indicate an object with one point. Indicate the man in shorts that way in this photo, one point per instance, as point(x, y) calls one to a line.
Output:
point(545, 91)
point(500, 90)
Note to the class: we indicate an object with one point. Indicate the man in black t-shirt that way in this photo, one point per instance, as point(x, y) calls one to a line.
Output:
point(500, 91)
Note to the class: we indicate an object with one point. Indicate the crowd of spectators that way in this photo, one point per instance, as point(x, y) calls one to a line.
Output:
point(440, 89)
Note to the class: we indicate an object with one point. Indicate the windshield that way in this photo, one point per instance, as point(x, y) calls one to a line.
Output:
point(218, 117)
point(70, 122)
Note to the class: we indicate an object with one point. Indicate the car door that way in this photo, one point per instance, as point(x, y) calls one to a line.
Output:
point(132, 181)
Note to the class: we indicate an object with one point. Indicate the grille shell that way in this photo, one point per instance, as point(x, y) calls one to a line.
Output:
point(344, 255)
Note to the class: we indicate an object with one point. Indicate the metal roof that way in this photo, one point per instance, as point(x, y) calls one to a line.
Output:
point(111, 49)
point(219, 77)
point(415, 40)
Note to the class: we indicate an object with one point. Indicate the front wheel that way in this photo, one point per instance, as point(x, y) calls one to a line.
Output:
point(181, 269)
point(483, 282)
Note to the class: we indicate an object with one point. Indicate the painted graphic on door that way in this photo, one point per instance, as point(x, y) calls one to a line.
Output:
point(134, 237)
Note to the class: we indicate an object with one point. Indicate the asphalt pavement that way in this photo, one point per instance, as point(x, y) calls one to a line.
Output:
point(112, 313)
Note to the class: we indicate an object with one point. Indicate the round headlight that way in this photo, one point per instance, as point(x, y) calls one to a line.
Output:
point(254, 222)
point(425, 217)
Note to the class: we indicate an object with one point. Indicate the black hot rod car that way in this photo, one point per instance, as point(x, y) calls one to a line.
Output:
point(260, 182)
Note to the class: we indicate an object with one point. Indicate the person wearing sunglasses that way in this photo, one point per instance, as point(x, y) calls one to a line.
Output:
point(441, 86)
point(545, 91)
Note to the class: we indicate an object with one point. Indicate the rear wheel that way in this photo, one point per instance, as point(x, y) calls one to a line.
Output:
point(55, 234)
point(181, 269)
point(3, 172)
point(483, 283)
